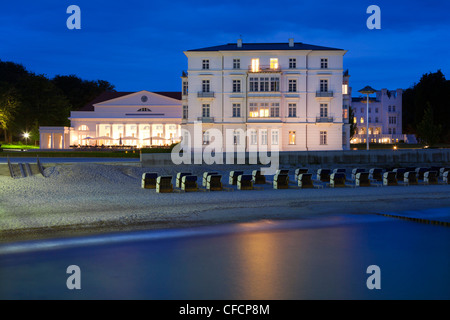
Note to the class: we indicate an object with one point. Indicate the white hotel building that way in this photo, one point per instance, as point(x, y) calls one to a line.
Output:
point(138, 119)
point(292, 95)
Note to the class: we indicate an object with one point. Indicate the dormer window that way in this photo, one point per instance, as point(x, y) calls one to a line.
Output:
point(144, 109)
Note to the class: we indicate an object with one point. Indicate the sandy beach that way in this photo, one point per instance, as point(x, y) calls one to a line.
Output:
point(82, 199)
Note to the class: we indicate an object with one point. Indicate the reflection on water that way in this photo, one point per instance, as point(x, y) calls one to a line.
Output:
point(320, 259)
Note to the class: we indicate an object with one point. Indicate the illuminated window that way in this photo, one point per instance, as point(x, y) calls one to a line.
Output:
point(291, 137)
point(273, 63)
point(345, 89)
point(362, 120)
point(255, 65)
point(83, 128)
point(253, 110)
point(354, 120)
point(264, 110)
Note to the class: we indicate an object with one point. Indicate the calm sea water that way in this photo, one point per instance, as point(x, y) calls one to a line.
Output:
point(306, 259)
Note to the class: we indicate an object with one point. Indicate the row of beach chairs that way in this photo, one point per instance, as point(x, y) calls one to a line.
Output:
point(212, 181)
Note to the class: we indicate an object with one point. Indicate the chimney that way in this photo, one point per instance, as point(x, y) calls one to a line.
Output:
point(291, 42)
point(239, 43)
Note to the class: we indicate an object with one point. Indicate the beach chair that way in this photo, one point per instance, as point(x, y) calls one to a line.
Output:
point(189, 183)
point(337, 179)
point(389, 179)
point(362, 179)
point(214, 183)
point(430, 177)
point(282, 171)
point(164, 184)
point(420, 172)
point(410, 177)
point(232, 180)
point(280, 181)
point(355, 171)
point(376, 174)
point(149, 180)
point(205, 177)
point(446, 177)
point(304, 180)
point(244, 182)
point(180, 175)
point(298, 172)
point(400, 173)
point(258, 178)
point(323, 175)
point(339, 170)
point(437, 169)
point(441, 172)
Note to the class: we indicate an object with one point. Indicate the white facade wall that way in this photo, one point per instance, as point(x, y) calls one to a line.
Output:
point(308, 73)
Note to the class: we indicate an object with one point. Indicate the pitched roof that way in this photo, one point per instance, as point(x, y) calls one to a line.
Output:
point(264, 46)
point(105, 96)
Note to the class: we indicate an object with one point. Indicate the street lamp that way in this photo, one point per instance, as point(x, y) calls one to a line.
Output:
point(26, 135)
point(367, 90)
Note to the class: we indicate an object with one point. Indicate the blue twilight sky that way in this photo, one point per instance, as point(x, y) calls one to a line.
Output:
point(137, 44)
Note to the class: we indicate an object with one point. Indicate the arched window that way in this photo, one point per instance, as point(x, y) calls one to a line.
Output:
point(83, 128)
point(144, 109)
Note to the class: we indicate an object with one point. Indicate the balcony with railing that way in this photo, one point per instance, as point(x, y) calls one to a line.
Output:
point(324, 118)
point(324, 94)
point(264, 69)
point(206, 119)
point(205, 94)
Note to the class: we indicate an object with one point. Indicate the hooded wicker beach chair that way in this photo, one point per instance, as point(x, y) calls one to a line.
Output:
point(376, 174)
point(214, 182)
point(178, 180)
point(430, 177)
point(298, 172)
point(304, 181)
point(245, 182)
point(232, 180)
point(337, 179)
point(258, 178)
point(400, 173)
point(442, 170)
point(323, 175)
point(362, 179)
point(446, 177)
point(410, 178)
point(149, 180)
point(205, 177)
point(189, 183)
point(164, 184)
point(355, 171)
point(420, 172)
point(280, 181)
point(390, 179)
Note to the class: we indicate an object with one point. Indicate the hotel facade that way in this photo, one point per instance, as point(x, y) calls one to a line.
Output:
point(138, 119)
point(285, 95)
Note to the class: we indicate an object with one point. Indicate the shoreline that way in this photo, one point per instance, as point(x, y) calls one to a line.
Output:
point(89, 199)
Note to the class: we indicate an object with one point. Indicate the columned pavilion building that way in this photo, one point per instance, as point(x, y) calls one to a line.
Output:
point(137, 119)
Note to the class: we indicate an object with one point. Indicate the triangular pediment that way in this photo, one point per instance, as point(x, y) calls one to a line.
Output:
point(142, 98)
